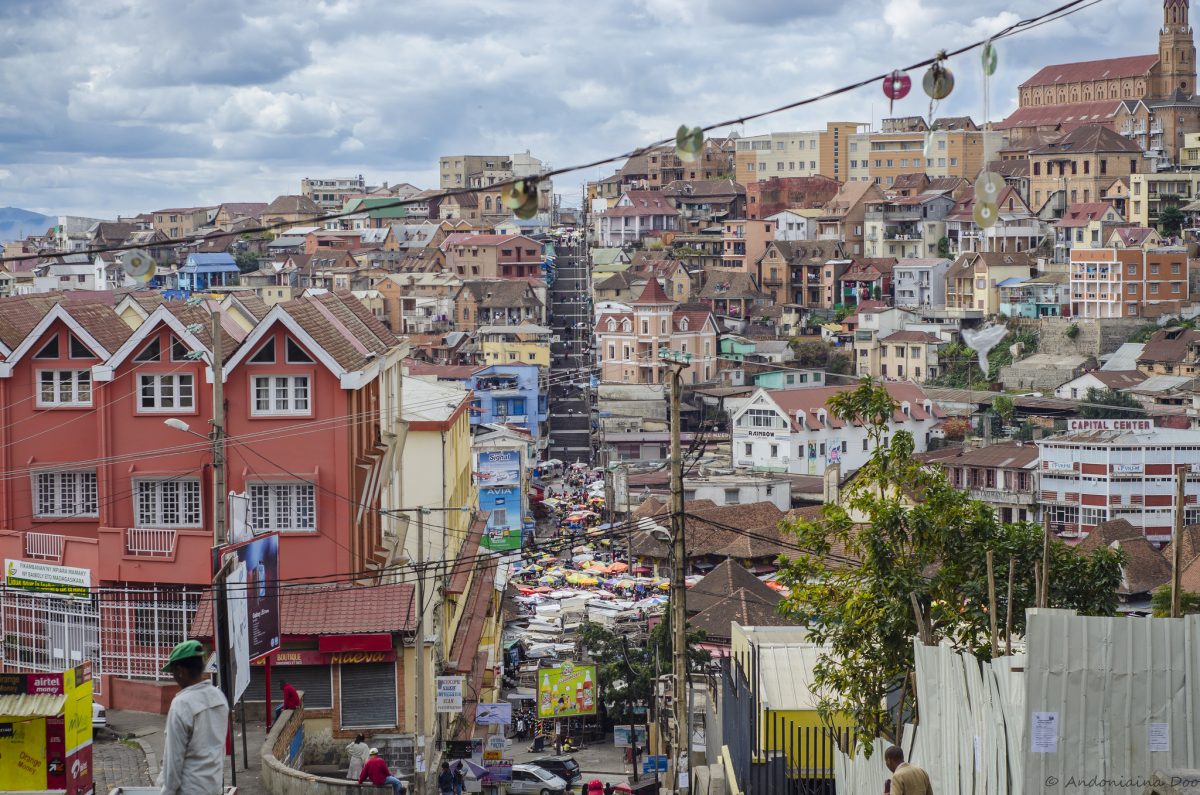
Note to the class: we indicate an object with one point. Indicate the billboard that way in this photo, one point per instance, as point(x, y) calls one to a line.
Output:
point(567, 690)
point(256, 585)
point(493, 714)
point(47, 578)
point(449, 694)
point(499, 468)
point(503, 531)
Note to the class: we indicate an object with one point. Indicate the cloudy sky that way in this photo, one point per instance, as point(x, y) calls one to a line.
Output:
point(120, 106)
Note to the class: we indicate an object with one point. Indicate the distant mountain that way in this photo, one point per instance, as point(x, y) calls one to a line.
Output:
point(15, 223)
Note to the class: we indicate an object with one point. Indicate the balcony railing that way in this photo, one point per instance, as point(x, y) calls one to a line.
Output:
point(152, 542)
point(44, 546)
point(1002, 496)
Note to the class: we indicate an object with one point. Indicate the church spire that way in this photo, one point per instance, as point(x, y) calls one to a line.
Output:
point(1176, 51)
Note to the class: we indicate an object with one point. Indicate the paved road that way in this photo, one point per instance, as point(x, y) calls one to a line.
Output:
point(118, 763)
point(569, 399)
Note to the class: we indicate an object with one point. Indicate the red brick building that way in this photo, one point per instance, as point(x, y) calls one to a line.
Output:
point(766, 197)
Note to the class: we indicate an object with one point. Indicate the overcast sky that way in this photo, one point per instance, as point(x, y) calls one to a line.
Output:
point(113, 106)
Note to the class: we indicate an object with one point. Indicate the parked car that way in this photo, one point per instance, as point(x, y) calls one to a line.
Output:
point(533, 780)
point(565, 767)
point(99, 717)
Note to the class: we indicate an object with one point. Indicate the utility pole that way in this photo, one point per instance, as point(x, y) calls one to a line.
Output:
point(217, 434)
point(676, 362)
point(422, 750)
point(1177, 538)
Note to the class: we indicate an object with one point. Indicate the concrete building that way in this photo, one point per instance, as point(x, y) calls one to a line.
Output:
point(920, 282)
point(796, 154)
point(953, 147)
point(1080, 166)
point(907, 226)
point(792, 224)
point(793, 430)
point(744, 243)
point(766, 197)
point(331, 193)
point(1100, 470)
point(1110, 282)
point(1004, 476)
point(1151, 193)
point(972, 282)
point(628, 343)
point(637, 214)
point(739, 489)
point(494, 256)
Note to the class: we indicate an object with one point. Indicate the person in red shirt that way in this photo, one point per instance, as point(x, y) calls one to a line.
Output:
point(377, 771)
point(291, 698)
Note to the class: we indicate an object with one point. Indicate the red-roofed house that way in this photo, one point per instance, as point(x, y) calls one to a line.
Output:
point(1084, 226)
point(1134, 237)
point(494, 256)
point(794, 431)
point(628, 342)
point(637, 214)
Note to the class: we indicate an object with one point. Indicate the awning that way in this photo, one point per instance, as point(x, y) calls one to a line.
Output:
point(378, 641)
point(32, 706)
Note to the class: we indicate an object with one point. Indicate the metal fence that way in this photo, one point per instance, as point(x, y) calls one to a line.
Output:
point(776, 754)
point(125, 631)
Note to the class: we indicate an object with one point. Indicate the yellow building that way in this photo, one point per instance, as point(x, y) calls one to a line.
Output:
point(957, 148)
point(1150, 194)
point(527, 344)
point(796, 154)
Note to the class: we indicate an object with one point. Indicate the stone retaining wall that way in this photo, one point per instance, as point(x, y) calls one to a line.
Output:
point(279, 779)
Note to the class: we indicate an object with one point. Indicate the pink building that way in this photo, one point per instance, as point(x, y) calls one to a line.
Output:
point(629, 342)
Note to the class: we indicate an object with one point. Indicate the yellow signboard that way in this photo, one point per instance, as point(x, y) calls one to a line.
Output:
point(23, 752)
point(567, 690)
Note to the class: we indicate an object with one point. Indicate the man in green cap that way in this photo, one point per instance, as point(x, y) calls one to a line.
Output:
point(194, 756)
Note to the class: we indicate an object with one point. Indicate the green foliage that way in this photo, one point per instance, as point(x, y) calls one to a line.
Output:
point(1005, 408)
point(1072, 331)
point(960, 365)
point(943, 247)
point(627, 670)
point(247, 261)
point(1170, 220)
point(1144, 333)
point(1160, 602)
point(820, 355)
point(914, 534)
point(1111, 405)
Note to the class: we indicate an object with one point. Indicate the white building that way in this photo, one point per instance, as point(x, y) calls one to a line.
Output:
point(921, 282)
point(739, 490)
point(796, 224)
point(793, 430)
point(1118, 469)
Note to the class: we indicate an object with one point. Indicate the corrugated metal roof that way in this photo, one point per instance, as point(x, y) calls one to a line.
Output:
point(31, 706)
point(785, 675)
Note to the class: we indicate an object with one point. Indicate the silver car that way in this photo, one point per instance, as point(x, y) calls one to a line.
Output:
point(533, 780)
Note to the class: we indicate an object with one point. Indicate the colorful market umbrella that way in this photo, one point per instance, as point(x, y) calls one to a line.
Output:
point(618, 567)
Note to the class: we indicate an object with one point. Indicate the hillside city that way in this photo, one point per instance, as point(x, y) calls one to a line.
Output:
point(764, 453)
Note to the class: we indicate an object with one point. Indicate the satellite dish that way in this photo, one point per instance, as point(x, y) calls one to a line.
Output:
point(138, 265)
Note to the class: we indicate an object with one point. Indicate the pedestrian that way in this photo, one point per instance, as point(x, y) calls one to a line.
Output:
point(460, 779)
point(291, 698)
point(357, 751)
point(906, 779)
point(376, 770)
point(445, 780)
point(521, 728)
point(193, 756)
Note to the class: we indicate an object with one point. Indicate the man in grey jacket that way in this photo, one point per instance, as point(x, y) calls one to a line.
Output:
point(194, 756)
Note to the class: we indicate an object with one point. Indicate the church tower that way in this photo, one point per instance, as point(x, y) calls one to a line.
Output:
point(1176, 52)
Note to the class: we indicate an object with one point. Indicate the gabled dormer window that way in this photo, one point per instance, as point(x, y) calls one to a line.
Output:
point(683, 324)
point(78, 349)
point(49, 350)
point(296, 354)
point(150, 353)
point(612, 325)
point(265, 354)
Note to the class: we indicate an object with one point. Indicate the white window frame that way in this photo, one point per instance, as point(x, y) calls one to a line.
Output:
point(65, 494)
point(292, 403)
point(170, 502)
point(78, 381)
point(157, 395)
point(284, 503)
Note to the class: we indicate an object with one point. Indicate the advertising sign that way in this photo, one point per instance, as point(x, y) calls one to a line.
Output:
point(503, 533)
point(449, 694)
point(47, 578)
point(1128, 469)
point(499, 468)
point(623, 736)
point(239, 628)
point(464, 749)
point(498, 772)
point(567, 690)
point(258, 562)
point(493, 714)
point(1110, 425)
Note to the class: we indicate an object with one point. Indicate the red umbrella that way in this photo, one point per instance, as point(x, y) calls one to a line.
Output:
point(622, 787)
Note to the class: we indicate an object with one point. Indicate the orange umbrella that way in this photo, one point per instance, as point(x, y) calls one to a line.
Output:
point(618, 567)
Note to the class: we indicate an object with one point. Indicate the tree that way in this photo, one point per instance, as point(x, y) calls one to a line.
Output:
point(627, 670)
point(820, 355)
point(1170, 220)
point(247, 261)
point(906, 532)
point(1005, 407)
point(1102, 404)
point(956, 428)
point(943, 247)
point(1160, 602)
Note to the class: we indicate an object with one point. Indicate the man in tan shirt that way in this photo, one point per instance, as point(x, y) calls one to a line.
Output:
point(906, 779)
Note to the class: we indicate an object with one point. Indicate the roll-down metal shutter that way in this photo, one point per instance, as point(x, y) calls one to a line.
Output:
point(315, 681)
point(368, 695)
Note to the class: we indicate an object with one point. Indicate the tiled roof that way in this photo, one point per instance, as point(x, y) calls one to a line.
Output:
point(911, 336)
point(332, 610)
point(1066, 117)
point(1133, 236)
point(727, 577)
point(706, 535)
point(1088, 139)
point(470, 627)
point(1004, 455)
point(1082, 214)
point(244, 209)
point(746, 608)
point(1169, 345)
point(444, 372)
point(653, 293)
point(461, 573)
point(703, 188)
point(346, 332)
point(811, 399)
point(292, 205)
point(105, 325)
point(500, 293)
point(730, 284)
point(1189, 553)
point(1119, 379)
point(1084, 71)
point(797, 252)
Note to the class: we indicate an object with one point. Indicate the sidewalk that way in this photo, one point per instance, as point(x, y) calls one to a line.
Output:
point(147, 729)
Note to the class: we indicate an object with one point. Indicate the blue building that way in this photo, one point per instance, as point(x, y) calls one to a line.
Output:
point(205, 271)
point(509, 394)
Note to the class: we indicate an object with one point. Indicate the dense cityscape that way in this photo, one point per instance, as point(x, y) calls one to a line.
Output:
point(851, 459)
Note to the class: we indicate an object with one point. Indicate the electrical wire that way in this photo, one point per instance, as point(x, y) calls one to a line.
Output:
point(1055, 14)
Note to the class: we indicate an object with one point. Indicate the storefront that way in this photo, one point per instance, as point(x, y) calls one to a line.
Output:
point(46, 731)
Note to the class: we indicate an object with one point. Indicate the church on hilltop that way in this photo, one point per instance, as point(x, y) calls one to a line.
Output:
point(1150, 99)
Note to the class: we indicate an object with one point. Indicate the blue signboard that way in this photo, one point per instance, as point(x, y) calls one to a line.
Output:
point(505, 523)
